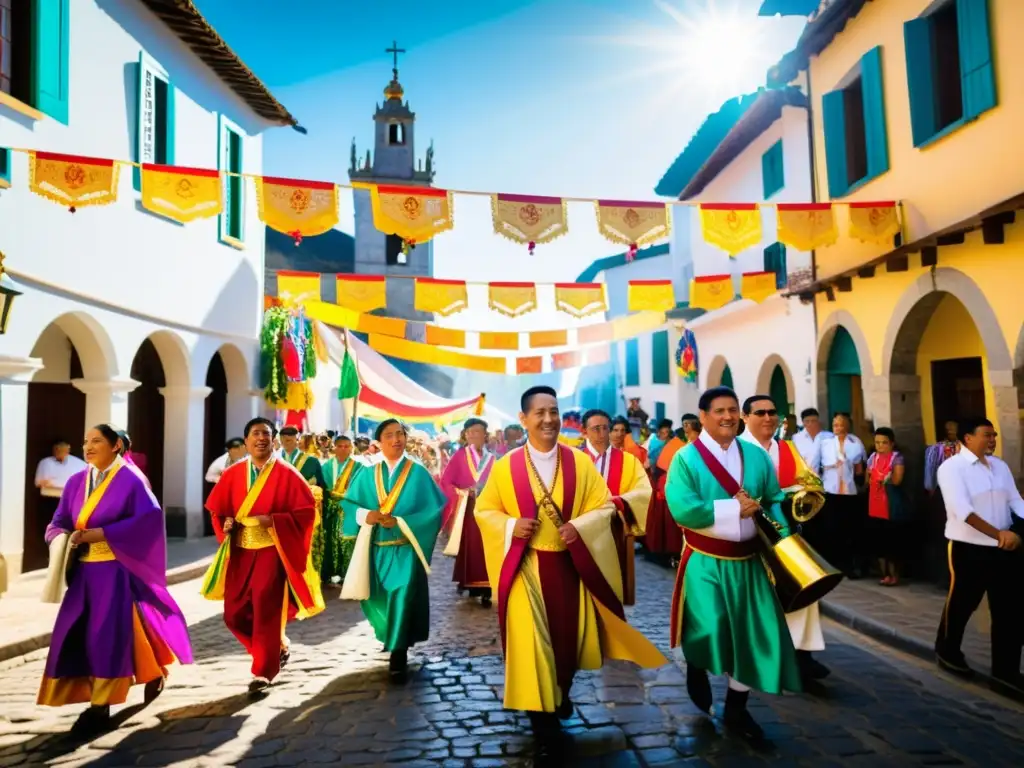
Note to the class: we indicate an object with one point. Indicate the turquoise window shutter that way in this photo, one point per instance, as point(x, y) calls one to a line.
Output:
point(237, 188)
point(632, 363)
point(917, 36)
point(976, 71)
point(171, 126)
point(50, 65)
point(772, 173)
point(5, 164)
point(874, 112)
point(659, 411)
point(660, 372)
point(834, 121)
point(775, 261)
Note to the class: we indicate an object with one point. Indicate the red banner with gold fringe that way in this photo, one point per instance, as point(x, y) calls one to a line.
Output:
point(73, 180)
point(711, 292)
point(442, 297)
point(181, 194)
point(529, 219)
point(362, 293)
point(297, 207)
point(733, 227)
point(580, 299)
point(415, 214)
point(758, 286)
point(632, 223)
point(512, 299)
point(874, 222)
point(806, 226)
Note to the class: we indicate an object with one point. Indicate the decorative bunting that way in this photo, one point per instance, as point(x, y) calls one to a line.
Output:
point(733, 227)
point(758, 286)
point(424, 353)
point(362, 293)
point(442, 297)
point(874, 222)
point(499, 340)
point(632, 223)
point(296, 207)
point(563, 360)
point(73, 180)
point(512, 299)
point(541, 339)
point(415, 214)
point(529, 219)
point(529, 365)
point(657, 295)
point(298, 287)
point(711, 292)
point(806, 226)
point(445, 337)
point(181, 194)
point(580, 299)
point(386, 326)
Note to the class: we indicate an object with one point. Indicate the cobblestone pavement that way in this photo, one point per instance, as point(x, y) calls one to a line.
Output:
point(333, 705)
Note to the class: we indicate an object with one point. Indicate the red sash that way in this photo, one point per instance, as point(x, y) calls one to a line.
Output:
point(720, 473)
point(787, 464)
point(616, 462)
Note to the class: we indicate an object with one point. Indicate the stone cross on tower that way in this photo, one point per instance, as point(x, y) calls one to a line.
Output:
point(394, 50)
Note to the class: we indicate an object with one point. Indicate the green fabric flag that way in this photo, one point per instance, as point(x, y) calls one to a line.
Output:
point(349, 386)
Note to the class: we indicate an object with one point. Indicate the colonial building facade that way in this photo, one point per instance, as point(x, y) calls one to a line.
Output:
point(126, 317)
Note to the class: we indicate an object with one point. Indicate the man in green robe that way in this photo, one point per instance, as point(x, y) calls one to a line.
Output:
point(339, 472)
point(394, 508)
point(725, 613)
point(310, 468)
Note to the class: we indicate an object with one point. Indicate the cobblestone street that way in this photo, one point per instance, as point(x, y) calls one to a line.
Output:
point(333, 704)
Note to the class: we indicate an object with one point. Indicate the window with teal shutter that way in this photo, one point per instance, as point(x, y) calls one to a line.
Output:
point(873, 94)
point(775, 261)
point(229, 154)
point(917, 38)
point(660, 354)
point(834, 121)
point(976, 67)
point(659, 411)
point(50, 63)
point(633, 363)
point(5, 167)
point(154, 116)
point(772, 173)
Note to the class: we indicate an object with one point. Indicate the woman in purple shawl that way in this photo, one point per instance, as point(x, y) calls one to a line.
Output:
point(118, 626)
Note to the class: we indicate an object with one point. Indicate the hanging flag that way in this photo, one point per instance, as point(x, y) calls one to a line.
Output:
point(445, 337)
point(599, 354)
point(686, 357)
point(656, 295)
point(632, 223)
point(580, 299)
point(512, 299)
point(529, 219)
point(874, 222)
point(733, 227)
point(758, 286)
point(529, 365)
point(362, 293)
point(349, 385)
point(806, 226)
point(296, 207)
point(499, 340)
point(415, 214)
point(562, 360)
point(181, 194)
point(542, 339)
point(442, 297)
point(711, 292)
point(297, 287)
point(424, 353)
point(73, 180)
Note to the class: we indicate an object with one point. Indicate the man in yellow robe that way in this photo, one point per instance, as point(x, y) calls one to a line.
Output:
point(546, 518)
point(628, 484)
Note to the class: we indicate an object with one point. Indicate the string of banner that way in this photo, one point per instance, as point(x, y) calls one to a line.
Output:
point(302, 208)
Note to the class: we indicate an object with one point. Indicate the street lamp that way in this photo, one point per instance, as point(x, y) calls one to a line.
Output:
point(7, 294)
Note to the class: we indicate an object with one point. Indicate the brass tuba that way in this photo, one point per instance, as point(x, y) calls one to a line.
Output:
point(799, 574)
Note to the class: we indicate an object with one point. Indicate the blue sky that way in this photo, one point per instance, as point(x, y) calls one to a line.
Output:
point(589, 98)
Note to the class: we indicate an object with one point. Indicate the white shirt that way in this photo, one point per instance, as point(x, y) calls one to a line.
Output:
point(810, 447)
point(545, 463)
point(839, 478)
point(772, 449)
point(217, 467)
point(58, 473)
point(600, 459)
point(968, 486)
point(728, 524)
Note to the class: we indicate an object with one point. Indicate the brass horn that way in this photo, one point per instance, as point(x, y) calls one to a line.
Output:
point(799, 574)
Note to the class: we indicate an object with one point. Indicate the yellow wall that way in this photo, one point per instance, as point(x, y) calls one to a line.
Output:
point(950, 334)
point(972, 169)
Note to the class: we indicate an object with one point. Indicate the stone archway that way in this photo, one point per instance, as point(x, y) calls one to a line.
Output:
point(775, 379)
point(947, 295)
point(73, 348)
point(845, 375)
point(718, 370)
point(227, 406)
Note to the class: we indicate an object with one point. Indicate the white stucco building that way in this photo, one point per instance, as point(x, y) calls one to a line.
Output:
point(127, 317)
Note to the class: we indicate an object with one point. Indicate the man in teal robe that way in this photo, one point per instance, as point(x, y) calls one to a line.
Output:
point(339, 472)
point(309, 466)
point(725, 613)
point(394, 507)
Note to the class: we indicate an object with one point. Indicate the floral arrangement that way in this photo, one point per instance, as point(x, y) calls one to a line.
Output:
point(288, 357)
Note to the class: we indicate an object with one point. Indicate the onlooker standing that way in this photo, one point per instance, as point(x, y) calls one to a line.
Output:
point(808, 440)
point(841, 530)
point(934, 545)
point(981, 500)
point(887, 506)
point(51, 475)
point(234, 450)
point(637, 418)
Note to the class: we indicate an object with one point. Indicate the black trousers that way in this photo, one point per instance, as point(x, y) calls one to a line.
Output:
point(837, 531)
point(974, 571)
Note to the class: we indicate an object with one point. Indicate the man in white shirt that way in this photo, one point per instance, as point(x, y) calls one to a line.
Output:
point(981, 501)
point(51, 475)
point(234, 450)
point(838, 532)
point(808, 440)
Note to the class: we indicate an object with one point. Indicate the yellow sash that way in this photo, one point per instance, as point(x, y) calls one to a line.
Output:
point(341, 483)
point(91, 500)
point(299, 462)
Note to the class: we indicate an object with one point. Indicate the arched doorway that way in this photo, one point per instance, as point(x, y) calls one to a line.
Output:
point(775, 380)
point(72, 347)
point(146, 414)
point(779, 391)
point(227, 378)
point(726, 380)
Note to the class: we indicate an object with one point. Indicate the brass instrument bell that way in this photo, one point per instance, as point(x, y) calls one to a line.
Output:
point(799, 574)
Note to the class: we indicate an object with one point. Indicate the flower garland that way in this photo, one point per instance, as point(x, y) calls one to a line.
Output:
point(287, 359)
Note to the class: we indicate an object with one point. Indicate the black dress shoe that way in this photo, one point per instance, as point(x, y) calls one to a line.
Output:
point(699, 688)
point(398, 666)
point(153, 689)
point(738, 719)
point(286, 656)
point(258, 685)
point(485, 598)
point(1011, 684)
point(811, 668)
point(92, 721)
point(955, 664)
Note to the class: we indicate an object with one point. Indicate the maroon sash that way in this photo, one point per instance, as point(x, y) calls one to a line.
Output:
point(720, 473)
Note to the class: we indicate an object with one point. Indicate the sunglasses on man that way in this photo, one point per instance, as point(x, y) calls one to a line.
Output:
point(762, 412)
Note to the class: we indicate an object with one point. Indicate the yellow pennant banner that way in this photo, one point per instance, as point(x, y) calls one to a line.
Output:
point(529, 219)
point(512, 299)
point(651, 294)
point(503, 340)
point(580, 299)
point(438, 336)
point(757, 286)
point(541, 339)
point(442, 297)
point(296, 207)
point(415, 214)
point(733, 227)
point(424, 353)
point(711, 292)
point(806, 226)
point(181, 194)
point(362, 293)
point(632, 223)
point(73, 180)
point(874, 222)
point(295, 288)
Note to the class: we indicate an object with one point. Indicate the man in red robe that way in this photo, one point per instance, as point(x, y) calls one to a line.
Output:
point(264, 509)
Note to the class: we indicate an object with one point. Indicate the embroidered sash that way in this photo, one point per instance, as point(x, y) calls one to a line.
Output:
point(476, 470)
point(94, 496)
point(341, 483)
point(720, 473)
point(387, 499)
